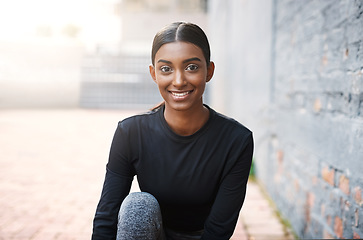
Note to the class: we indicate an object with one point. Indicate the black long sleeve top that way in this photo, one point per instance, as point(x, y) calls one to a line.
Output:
point(199, 180)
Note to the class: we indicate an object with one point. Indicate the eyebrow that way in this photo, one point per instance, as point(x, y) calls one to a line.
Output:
point(192, 59)
point(185, 61)
point(164, 61)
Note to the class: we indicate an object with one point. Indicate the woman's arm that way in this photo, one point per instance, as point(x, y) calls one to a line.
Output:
point(115, 189)
point(117, 184)
point(222, 220)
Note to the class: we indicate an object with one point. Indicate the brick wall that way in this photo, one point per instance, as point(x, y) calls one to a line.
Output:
point(303, 99)
point(316, 146)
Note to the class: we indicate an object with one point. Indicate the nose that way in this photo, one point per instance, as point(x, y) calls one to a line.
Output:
point(179, 79)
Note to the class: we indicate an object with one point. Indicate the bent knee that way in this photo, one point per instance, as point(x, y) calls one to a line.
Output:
point(139, 213)
point(139, 203)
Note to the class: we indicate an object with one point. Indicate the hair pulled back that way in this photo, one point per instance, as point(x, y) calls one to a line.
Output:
point(184, 32)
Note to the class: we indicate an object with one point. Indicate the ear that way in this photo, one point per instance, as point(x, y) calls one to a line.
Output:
point(152, 72)
point(210, 71)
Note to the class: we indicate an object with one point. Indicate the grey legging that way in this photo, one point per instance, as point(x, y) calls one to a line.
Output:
point(140, 218)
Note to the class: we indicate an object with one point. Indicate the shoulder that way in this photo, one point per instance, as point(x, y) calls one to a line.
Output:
point(230, 125)
point(142, 120)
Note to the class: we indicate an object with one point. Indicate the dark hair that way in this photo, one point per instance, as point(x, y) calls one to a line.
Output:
point(184, 32)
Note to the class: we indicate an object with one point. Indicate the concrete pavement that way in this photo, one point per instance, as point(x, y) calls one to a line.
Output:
point(52, 165)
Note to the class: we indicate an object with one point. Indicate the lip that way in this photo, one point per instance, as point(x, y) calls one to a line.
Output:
point(180, 95)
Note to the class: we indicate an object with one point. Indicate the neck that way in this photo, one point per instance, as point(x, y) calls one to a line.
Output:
point(186, 122)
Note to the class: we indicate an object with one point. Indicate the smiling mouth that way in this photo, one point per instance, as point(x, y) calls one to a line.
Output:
point(181, 94)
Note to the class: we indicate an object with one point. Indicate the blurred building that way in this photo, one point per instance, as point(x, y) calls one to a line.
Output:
point(41, 48)
point(141, 19)
point(84, 53)
point(120, 79)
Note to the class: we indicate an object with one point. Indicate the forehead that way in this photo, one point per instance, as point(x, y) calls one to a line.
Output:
point(178, 51)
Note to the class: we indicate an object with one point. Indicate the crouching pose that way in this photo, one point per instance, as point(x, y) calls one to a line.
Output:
point(191, 162)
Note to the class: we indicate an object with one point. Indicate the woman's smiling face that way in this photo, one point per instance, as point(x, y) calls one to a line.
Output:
point(181, 73)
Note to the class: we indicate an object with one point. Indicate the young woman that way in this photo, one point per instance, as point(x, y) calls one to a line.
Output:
point(191, 163)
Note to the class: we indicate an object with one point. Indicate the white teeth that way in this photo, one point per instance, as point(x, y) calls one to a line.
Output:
point(180, 94)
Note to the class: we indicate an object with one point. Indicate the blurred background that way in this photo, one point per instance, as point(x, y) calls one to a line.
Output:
point(83, 53)
point(291, 71)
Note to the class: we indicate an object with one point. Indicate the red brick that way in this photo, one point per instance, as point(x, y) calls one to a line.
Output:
point(356, 236)
point(328, 175)
point(280, 156)
point(357, 195)
point(311, 199)
point(338, 227)
point(324, 60)
point(317, 105)
point(327, 235)
point(344, 184)
point(280, 159)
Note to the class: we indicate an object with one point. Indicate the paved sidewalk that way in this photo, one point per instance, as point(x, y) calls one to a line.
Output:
point(258, 218)
point(52, 165)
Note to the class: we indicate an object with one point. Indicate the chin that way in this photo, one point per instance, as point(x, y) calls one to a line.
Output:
point(180, 106)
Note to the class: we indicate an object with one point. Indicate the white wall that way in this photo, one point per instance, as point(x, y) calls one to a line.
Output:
point(240, 36)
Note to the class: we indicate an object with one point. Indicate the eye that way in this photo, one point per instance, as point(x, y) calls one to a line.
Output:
point(192, 67)
point(165, 69)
